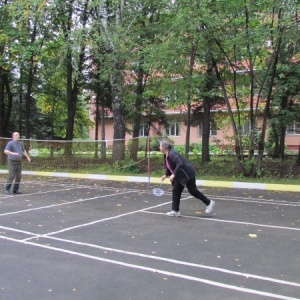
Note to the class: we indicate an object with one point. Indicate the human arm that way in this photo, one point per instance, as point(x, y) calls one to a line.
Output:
point(8, 152)
point(26, 155)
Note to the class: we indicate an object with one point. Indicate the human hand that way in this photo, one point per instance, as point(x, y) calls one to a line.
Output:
point(163, 177)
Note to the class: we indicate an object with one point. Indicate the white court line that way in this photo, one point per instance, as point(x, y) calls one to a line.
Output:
point(228, 221)
point(61, 204)
point(178, 262)
point(253, 200)
point(18, 230)
point(101, 220)
point(153, 270)
point(40, 193)
point(174, 261)
point(145, 210)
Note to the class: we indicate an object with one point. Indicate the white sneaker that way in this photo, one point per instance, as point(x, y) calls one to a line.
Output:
point(210, 207)
point(173, 213)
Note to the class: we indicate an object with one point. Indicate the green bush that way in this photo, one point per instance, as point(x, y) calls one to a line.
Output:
point(155, 144)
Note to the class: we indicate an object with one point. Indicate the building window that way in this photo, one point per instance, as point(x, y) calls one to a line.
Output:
point(245, 128)
point(144, 129)
point(213, 128)
point(174, 128)
point(293, 128)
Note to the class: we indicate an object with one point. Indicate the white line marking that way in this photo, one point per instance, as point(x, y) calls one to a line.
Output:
point(61, 204)
point(19, 231)
point(228, 221)
point(260, 201)
point(102, 220)
point(174, 261)
point(178, 262)
point(153, 270)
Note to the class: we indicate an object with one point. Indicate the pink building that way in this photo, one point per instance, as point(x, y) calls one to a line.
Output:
point(221, 132)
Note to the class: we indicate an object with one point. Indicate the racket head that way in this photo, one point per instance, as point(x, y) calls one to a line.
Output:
point(158, 192)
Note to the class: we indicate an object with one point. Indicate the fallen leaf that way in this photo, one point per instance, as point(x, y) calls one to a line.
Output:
point(253, 235)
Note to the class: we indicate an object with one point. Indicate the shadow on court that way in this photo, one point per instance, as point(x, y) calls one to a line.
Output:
point(89, 239)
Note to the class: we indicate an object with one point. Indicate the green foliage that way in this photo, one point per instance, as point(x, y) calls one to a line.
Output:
point(249, 168)
point(143, 141)
point(196, 148)
point(126, 166)
point(180, 149)
point(155, 143)
point(160, 37)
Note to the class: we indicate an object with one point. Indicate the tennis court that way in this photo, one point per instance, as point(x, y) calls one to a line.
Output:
point(66, 238)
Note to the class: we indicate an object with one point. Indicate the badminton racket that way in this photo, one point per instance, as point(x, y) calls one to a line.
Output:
point(158, 191)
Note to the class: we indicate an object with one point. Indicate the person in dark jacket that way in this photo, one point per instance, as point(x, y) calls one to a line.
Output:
point(181, 173)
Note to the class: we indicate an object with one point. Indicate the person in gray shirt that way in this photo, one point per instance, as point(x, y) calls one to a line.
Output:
point(14, 151)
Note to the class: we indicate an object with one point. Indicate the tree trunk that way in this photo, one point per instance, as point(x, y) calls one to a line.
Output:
point(230, 113)
point(137, 114)
point(206, 130)
point(273, 64)
point(72, 92)
point(2, 103)
point(188, 128)
point(28, 101)
point(4, 113)
point(282, 129)
point(206, 112)
point(298, 158)
point(188, 122)
point(73, 85)
point(28, 97)
point(118, 109)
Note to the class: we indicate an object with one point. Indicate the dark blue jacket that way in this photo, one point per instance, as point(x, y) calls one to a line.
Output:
point(183, 170)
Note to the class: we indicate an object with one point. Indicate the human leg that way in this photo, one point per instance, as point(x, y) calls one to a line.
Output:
point(176, 194)
point(18, 172)
point(11, 175)
point(192, 188)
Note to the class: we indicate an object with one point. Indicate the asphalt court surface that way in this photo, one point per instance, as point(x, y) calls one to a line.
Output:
point(89, 239)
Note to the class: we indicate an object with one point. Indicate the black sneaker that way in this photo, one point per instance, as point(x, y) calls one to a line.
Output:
point(17, 192)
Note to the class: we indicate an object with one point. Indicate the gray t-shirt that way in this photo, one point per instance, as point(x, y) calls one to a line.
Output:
point(15, 147)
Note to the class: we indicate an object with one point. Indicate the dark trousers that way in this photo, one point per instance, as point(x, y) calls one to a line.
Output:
point(14, 174)
point(192, 188)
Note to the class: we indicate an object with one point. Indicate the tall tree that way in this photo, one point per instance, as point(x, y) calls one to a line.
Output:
point(110, 29)
point(74, 27)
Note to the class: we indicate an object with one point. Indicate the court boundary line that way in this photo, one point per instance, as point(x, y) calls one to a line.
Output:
point(60, 204)
point(146, 210)
point(228, 221)
point(155, 270)
point(159, 258)
point(178, 262)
